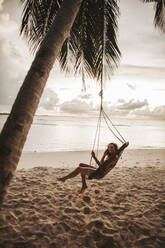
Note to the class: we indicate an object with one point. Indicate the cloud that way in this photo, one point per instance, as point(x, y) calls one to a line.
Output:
point(114, 110)
point(85, 96)
point(134, 109)
point(12, 71)
point(121, 109)
point(14, 59)
point(132, 104)
point(49, 99)
point(131, 86)
point(8, 72)
point(75, 107)
point(120, 100)
point(157, 113)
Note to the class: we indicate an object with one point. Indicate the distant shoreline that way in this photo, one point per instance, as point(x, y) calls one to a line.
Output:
point(69, 159)
point(4, 113)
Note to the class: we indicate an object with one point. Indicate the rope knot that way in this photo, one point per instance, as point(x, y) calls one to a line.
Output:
point(101, 93)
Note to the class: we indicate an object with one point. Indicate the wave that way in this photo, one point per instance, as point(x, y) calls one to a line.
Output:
point(45, 124)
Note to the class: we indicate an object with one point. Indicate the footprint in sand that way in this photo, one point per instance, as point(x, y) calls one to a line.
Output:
point(87, 199)
point(87, 210)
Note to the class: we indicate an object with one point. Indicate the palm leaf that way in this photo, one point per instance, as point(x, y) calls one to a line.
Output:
point(159, 18)
point(92, 44)
point(37, 17)
point(93, 38)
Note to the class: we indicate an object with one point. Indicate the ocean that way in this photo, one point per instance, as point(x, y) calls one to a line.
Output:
point(70, 133)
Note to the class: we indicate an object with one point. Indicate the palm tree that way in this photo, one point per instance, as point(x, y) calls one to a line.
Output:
point(48, 24)
point(15, 130)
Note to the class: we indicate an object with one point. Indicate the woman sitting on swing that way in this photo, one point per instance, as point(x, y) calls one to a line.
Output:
point(107, 162)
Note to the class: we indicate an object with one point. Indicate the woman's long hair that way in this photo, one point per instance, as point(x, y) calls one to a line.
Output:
point(115, 145)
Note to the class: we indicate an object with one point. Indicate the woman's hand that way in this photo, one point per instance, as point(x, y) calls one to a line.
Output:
point(93, 154)
point(106, 152)
point(127, 143)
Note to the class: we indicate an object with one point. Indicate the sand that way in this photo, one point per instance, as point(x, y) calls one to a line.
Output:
point(125, 209)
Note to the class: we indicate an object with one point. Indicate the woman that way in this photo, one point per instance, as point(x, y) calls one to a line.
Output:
point(108, 161)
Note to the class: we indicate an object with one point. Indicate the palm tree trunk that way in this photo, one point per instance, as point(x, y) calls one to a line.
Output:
point(16, 128)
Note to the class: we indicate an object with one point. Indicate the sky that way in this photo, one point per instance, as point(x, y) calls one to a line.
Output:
point(136, 90)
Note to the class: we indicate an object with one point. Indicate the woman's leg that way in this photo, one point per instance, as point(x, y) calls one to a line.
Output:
point(71, 175)
point(83, 170)
point(86, 165)
point(84, 185)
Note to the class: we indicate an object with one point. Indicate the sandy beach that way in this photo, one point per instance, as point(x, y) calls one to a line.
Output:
point(125, 209)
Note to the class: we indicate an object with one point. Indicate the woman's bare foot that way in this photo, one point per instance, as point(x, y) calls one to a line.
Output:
point(83, 189)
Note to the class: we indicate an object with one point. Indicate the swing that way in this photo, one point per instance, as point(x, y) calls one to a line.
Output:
point(110, 163)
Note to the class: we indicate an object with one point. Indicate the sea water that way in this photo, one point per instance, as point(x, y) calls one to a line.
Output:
point(72, 133)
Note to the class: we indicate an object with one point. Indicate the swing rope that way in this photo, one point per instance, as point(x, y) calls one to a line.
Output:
point(102, 112)
point(106, 117)
point(97, 134)
point(107, 120)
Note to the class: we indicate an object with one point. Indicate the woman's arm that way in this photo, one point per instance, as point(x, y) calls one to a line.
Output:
point(122, 148)
point(103, 157)
point(93, 156)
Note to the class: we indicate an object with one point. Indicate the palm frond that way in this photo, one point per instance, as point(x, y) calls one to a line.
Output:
point(93, 35)
point(159, 18)
point(92, 44)
point(37, 17)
